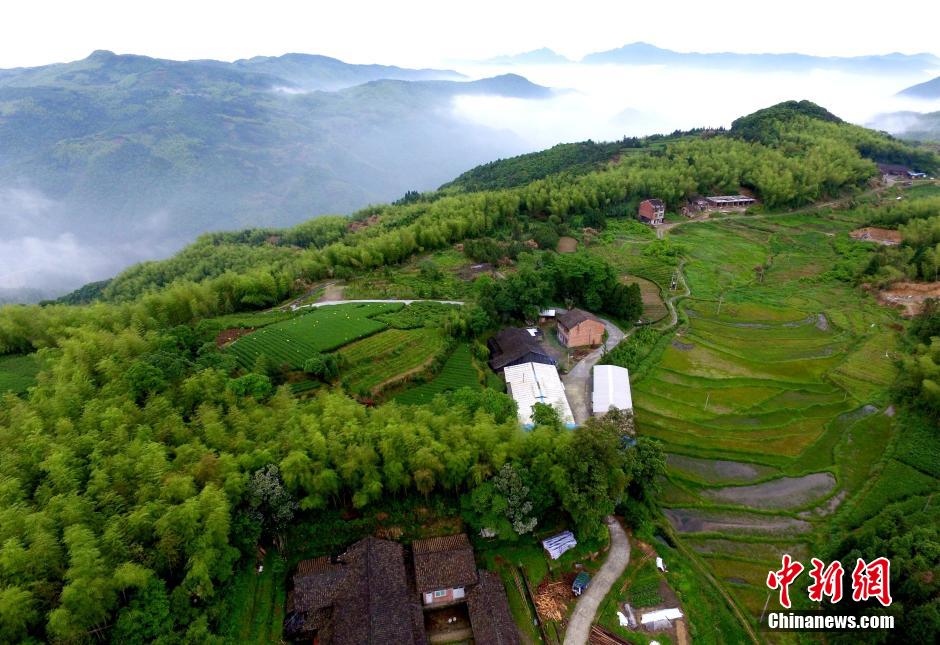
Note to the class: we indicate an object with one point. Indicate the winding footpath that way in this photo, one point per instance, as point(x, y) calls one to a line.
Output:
point(579, 625)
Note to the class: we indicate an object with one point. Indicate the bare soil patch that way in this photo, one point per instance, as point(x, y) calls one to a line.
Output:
point(227, 336)
point(331, 293)
point(786, 492)
point(909, 295)
point(691, 520)
point(567, 245)
point(884, 236)
point(718, 471)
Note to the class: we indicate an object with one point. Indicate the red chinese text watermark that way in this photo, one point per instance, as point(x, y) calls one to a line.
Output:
point(869, 581)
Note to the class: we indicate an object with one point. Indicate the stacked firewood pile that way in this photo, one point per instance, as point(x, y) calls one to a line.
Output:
point(552, 598)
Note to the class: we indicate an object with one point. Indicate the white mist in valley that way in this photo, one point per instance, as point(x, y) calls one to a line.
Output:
point(606, 102)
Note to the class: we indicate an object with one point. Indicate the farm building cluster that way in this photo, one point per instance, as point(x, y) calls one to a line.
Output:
point(370, 594)
point(530, 370)
point(653, 211)
point(891, 173)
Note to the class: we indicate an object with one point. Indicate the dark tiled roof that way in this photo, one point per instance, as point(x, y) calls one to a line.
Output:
point(511, 344)
point(575, 317)
point(893, 169)
point(316, 583)
point(374, 608)
point(489, 612)
point(362, 599)
point(443, 563)
point(658, 203)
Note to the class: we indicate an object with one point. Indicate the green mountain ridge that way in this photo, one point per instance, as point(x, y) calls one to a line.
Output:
point(131, 157)
point(604, 178)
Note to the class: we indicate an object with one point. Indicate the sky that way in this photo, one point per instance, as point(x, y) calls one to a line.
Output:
point(436, 33)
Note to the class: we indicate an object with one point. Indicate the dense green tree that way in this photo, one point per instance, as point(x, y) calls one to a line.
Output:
point(322, 366)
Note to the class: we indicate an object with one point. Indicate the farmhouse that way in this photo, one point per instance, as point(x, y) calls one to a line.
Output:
point(694, 206)
point(489, 612)
point(444, 567)
point(531, 383)
point(652, 211)
point(891, 172)
point(514, 346)
point(362, 597)
point(577, 328)
point(611, 389)
point(719, 202)
point(367, 596)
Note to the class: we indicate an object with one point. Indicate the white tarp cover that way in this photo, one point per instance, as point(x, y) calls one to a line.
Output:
point(531, 383)
point(558, 544)
point(662, 614)
point(611, 388)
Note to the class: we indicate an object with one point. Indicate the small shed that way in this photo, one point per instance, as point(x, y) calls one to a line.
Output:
point(558, 544)
point(581, 582)
point(661, 619)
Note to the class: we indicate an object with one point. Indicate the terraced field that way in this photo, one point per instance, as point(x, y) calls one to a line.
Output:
point(654, 308)
point(382, 358)
point(457, 372)
point(292, 341)
point(771, 399)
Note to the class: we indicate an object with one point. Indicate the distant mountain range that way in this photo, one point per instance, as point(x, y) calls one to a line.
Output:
point(640, 53)
point(928, 90)
point(913, 126)
point(127, 157)
point(543, 56)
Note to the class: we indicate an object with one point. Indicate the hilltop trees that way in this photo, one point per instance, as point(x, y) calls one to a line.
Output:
point(578, 279)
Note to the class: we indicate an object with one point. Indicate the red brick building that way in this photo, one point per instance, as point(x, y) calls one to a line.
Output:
point(652, 211)
point(578, 328)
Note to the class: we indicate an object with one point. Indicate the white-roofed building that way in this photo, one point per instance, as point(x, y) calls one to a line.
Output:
point(531, 383)
point(611, 389)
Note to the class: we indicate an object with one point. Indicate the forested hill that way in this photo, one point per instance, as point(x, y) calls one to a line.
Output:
point(130, 157)
point(791, 154)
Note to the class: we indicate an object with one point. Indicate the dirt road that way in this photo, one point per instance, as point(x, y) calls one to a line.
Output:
point(579, 626)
